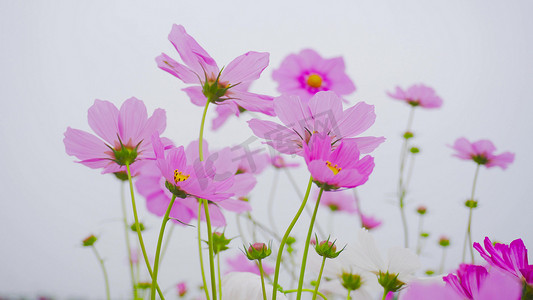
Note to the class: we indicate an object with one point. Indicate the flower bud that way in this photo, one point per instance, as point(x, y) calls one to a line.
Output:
point(182, 288)
point(258, 251)
point(424, 234)
point(471, 203)
point(414, 150)
point(327, 249)
point(421, 210)
point(408, 134)
point(220, 242)
point(133, 227)
point(444, 241)
point(351, 281)
point(144, 285)
point(429, 272)
point(89, 241)
point(389, 281)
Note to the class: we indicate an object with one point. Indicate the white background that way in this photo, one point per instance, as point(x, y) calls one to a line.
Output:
point(56, 57)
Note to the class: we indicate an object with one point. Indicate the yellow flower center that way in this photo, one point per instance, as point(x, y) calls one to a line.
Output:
point(314, 80)
point(178, 176)
point(334, 168)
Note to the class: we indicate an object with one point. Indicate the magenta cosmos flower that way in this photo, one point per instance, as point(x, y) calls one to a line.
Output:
point(482, 152)
point(338, 201)
point(510, 258)
point(226, 87)
point(418, 95)
point(124, 135)
point(306, 73)
point(279, 162)
point(322, 114)
point(240, 263)
point(338, 168)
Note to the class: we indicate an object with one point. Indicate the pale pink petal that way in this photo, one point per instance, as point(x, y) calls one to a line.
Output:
point(498, 286)
point(245, 68)
point(502, 160)
point(483, 147)
point(103, 120)
point(252, 102)
point(131, 121)
point(235, 205)
point(223, 113)
point(155, 124)
point(90, 150)
point(283, 139)
point(365, 144)
point(293, 113)
point(196, 95)
point(356, 119)
point(164, 62)
point(326, 109)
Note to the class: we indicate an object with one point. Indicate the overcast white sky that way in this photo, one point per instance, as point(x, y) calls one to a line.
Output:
point(56, 57)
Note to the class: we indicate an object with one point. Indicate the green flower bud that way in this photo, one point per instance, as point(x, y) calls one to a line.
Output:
point(421, 210)
point(471, 203)
point(424, 234)
point(327, 249)
point(390, 282)
point(414, 150)
point(220, 242)
point(351, 281)
point(258, 251)
point(134, 228)
point(89, 241)
point(430, 272)
point(408, 134)
point(444, 241)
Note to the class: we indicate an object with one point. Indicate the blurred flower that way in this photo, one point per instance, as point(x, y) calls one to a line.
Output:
point(227, 87)
point(482, 152)
point(338, 201)
point(510, 258)
point(418, 95)
point(369, 222)
point(279, 162)
point(306, 73)
point(340, 168)
point(240, 263)
point(323, 114)
point(125, 135)
point(245, 286)
point(182, 288)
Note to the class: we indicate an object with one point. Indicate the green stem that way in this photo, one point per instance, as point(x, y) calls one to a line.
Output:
point(262, 279)
point(468, 236)
point(401, 186)
point(418, 239)
point(211, 257)
point(201, 138)
point(200, 251)
point(348, 297)
point(306, 245)
point(319, 277)
point(441, 267)
point(127, 236)
point(219, 277)
point(358, 206)
point(138, 229)
point(167, 242)
point(306, 290)
point(284, 240)
point(101, 261)
point(159, 242)
point(385, 293)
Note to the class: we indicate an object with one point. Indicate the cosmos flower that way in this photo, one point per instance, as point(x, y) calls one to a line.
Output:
point(279, 162)
point(228, 86)
point(336, 168)
point(418, 95)
point(243, 285)
point(240, 263)
point(482, 152)
point(306, 73)
point(338, 201)
point(323, 114)
point(510, 258)
point(125, 135)
point(369, 222)
point(182, 288)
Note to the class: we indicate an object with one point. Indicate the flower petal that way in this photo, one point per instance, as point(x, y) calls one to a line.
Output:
point(245, 68)
point(103, 120)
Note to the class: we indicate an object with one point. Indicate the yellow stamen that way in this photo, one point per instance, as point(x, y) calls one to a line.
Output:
point(335, 169)
point(178, 176)
point(314, 80)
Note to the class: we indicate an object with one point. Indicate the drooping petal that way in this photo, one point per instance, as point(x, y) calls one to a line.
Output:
point(245, 68)
point(252, 102)
point(196, 95)
point(166, 63)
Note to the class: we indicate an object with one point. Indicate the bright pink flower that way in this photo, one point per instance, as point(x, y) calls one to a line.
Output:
point(279, 162)
point(418, 95)
point(510, 258)
point(323, 114)
point(482, 152)
point(125, 135)
point(338, 201)
point(467, 281)
point(307, 73)
point(433, 291)
point(226, 87)
point(182, 288)
point(369, 222)
point(340, 168)
point(240, 263)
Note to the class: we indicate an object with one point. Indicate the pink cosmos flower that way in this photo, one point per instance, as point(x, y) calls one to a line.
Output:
point(240, 263)
point(227, 87)
point(369, 222)
point(182, 288)
point(418, 95)
point(340, 168)
point(482, 152)
point(510, 258)
point(279, 162)
point(467, 281)
point(323, 114)
point(338, 201)
point(307, 73)
point(124, 135)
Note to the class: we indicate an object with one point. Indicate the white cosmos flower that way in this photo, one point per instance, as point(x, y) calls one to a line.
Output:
point(245, 286)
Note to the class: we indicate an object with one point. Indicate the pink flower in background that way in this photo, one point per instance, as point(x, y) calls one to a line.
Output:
point(340, 168)
point(510, 258)
point(418, 95)
point(482, 152)
point(338, 201)
point(323, 114)
point(369, 222)
point(306, 73)
point(182, 288)
point(124, 135)
point(279, 162)
point(467, 280)
point(240, 263)
point(226, 87)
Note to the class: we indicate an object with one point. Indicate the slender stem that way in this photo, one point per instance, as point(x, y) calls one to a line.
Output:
point(127, 236)
point(200, 251)
point(305, 290)
point(284, 240)
point(401, 186)
point(219, 277)
point(441, 267)
point(468, 236)
point(420, 228)
point(101, 261)
point(306, 246)
point(319, 277)
point(271, 202)
point(358, 206)
point(262, 279)
point(385, 293)
point(159, 242)
point(348, 297)
point(211, 257)
point(138, 229)
point(307, 209)
point(201, 138)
